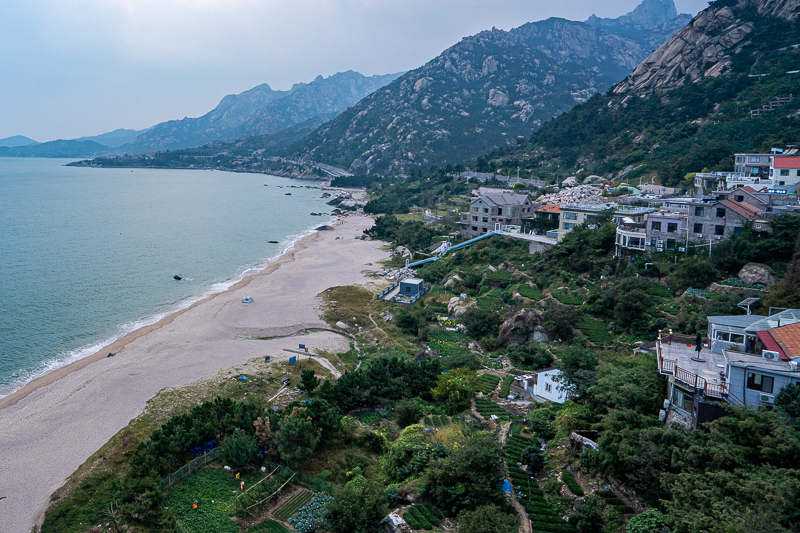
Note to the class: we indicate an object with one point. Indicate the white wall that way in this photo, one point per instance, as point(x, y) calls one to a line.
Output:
point(545, 382)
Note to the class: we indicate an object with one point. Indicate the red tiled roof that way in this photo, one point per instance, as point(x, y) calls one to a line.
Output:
point(788, 337)
point(786, 162)
point(549, 208)
point(771, 344)
point(746, 210)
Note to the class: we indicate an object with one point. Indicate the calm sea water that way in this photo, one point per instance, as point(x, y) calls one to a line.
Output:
point(88, 255)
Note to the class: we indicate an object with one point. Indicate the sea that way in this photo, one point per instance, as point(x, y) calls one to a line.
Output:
point(88, 255)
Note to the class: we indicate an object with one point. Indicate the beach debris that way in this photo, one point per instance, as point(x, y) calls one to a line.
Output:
point(242, 378)
point(273, 242)
point(177, 277)
point(342, 325)
point(324, 228)
point(288, 194)
point(247, 300)
point(111, 354)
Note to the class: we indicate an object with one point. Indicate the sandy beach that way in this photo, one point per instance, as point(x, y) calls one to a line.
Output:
point(55, 423)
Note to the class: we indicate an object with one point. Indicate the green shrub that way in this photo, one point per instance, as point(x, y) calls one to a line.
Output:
point(572, 484)
point(567, 298)
point(506, 387)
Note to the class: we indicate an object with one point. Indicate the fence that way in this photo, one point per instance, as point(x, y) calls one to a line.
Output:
point(189, 468)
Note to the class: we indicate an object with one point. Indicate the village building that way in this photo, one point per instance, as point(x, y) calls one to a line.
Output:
point(490, 210)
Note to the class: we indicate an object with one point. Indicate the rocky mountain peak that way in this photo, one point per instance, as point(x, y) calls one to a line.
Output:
point(648, 14)
point(705, 47)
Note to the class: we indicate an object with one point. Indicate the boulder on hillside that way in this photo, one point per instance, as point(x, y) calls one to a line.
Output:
point(524, 326)
point(457, 307)
point(757, 274)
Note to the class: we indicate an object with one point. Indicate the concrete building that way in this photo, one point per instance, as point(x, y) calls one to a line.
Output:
point(721, 220)
point(753, 165)
point(574, 215)
point(785, 173)
point(543, 385)
point(745, 360)
point(489, 210)
point(411, 287)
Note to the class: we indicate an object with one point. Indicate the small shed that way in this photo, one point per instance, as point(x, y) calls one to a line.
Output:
point(411, 287)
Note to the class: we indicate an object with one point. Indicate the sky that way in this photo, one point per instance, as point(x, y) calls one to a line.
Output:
point(72, 68)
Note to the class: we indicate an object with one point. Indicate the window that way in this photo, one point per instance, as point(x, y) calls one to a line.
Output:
point(683, 399)
point(720, 212)
point(499, 210)
point(739, 198)
point(670, 244)
point(486, 219)
point(474, 228)
point(738, 231)
point(738, 338)
point(760, 382)
point(719, 230)
point(548, 387)
point(485, 209)
point(568, 225)
point(485, 230)
point(723, 336)
point(784, 172)
point(739, 159)
point(781, 183)
point(591, 217)
point(755, 159)
point(474, 219)
point(672, 227)
point(797, 173)
point(699, 211)
point(655, 226)
point(698, 228)
point(475, 209)
point(570, 216)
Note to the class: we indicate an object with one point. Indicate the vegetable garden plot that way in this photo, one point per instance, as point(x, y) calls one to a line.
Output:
point(487, 383)
point(487, 408)
point(292, 505)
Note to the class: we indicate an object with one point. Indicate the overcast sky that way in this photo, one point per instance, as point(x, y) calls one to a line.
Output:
point(70, 68)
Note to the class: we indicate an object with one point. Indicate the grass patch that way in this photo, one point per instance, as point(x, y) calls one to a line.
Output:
point(529, 292)
point(489, 303)
point(345, 303)
point(499, 275)
point(567, 298)
point(656, 289)
point(596, 331)
point(215, 492)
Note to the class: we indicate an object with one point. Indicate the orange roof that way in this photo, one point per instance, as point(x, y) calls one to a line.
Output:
point(789, 338)
point(549, 208)
point(746, 210)
point(786, 162)
point(752, 190)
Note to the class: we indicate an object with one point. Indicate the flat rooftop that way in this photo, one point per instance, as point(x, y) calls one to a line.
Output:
point(708, 369)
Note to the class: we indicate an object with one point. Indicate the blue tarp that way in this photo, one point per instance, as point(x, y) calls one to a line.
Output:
point(505, 486)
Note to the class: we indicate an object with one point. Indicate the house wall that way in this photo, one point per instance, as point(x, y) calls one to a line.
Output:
point(710, 221)
point(482, 217)
point(737, 382)
point(545, 379)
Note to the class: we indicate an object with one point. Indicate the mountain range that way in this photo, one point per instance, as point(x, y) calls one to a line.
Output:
point(489, 90)
point(261, 111)
point(707, 93)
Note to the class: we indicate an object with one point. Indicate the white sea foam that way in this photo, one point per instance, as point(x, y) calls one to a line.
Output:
point(22, 377)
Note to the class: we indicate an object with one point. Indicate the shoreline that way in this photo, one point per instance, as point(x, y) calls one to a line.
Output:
point(119, 344)
point(52, 426)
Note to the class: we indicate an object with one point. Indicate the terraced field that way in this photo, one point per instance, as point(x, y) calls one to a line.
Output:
point(487, 408)
point(487, 383)
point(292, 505)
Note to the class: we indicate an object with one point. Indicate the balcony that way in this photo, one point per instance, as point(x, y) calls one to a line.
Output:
point(679, 359)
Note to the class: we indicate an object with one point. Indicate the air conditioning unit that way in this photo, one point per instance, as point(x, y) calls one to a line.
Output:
point(793, 365)
point(699, 235)
point(666, 404)
point(681, 249)
point(766, 398)
point(719, 237)
point(769, 355)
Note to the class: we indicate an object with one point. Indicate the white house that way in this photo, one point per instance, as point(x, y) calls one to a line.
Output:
point(542, 385)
